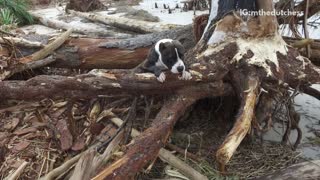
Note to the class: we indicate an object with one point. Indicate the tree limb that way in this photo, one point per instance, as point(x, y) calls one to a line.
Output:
point(27, 66)
point(101, 83)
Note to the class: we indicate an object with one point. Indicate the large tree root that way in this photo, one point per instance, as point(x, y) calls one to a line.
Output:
point(167, 156)
point(241, 126)
point(155, 137)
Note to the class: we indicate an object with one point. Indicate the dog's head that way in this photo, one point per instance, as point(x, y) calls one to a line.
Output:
point(171, 54)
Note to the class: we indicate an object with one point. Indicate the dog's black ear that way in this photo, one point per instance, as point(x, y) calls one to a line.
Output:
point(152, 58)
point(179, 46)
point(162, 46)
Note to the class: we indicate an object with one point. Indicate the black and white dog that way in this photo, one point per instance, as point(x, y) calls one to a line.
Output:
point(166, 54)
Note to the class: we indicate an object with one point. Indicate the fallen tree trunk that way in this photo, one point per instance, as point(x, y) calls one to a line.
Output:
point(99, 83)
point(126, 23)
point(86, 54)
point(89, 53)
point(56, 24)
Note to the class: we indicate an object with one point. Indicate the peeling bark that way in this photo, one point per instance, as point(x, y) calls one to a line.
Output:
point(87, 54)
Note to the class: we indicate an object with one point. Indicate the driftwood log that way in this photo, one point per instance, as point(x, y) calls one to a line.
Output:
point(227, 60)
point(124, 23)
point(82, 29)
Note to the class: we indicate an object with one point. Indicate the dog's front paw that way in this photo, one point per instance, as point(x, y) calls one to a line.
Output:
point(161, 78)
point(185, 76)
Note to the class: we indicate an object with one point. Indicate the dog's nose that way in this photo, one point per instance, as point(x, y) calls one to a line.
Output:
point(180, 68)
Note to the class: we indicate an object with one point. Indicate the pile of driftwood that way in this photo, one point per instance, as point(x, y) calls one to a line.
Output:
point(253, 66)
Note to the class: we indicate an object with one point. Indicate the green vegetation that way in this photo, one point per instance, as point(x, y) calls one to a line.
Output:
point(14, 11)
point(7, 17)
